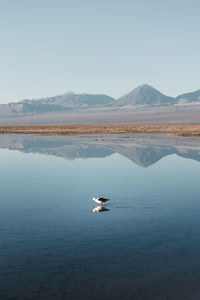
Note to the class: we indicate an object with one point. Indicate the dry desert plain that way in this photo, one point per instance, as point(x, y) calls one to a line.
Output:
point(180, 130)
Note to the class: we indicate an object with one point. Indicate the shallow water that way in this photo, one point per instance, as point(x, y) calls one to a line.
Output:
point(146, 245)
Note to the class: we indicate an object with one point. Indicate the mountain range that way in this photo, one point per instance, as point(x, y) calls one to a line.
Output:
point(142, 97)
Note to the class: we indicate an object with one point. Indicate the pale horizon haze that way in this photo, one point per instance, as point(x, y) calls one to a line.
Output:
point(110, 47)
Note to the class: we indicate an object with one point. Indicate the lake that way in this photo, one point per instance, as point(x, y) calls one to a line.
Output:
point(57, 244)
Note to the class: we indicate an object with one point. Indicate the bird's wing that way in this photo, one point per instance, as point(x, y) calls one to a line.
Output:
point(103, 199)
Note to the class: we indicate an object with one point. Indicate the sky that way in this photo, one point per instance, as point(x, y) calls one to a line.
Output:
point(50, 47)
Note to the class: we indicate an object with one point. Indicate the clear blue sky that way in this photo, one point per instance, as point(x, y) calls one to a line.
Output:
point(48, 47)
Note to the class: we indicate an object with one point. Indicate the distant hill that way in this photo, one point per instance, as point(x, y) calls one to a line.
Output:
point(144, 95)
point(189, 98)
point(65, 102)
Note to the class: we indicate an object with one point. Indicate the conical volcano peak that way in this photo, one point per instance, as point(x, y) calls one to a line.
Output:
point(145, 95)
point(144, 85)
point(147, 87)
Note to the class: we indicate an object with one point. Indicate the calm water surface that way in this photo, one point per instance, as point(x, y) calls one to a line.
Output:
point(53, 246)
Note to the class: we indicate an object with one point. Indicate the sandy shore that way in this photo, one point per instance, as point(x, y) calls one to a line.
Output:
point(182, 130)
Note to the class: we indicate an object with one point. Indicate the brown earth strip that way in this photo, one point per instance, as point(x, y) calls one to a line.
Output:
point(182, 130)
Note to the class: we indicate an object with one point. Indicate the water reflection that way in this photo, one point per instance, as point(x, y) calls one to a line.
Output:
point(54, 247)
point(100, 208)
point(144, 150)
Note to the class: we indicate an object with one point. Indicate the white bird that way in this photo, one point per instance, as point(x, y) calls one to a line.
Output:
point(100, 200)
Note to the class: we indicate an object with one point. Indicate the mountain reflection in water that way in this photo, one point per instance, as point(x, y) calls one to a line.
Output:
point(144, 150)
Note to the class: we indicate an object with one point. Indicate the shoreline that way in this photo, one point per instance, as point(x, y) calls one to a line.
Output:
point(177, 130)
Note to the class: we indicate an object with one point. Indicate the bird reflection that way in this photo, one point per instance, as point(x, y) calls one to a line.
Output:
point(100, 208)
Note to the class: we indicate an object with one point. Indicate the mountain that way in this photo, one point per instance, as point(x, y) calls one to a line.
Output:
point(144, 95)
point(189, 98)
point(65, 102)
